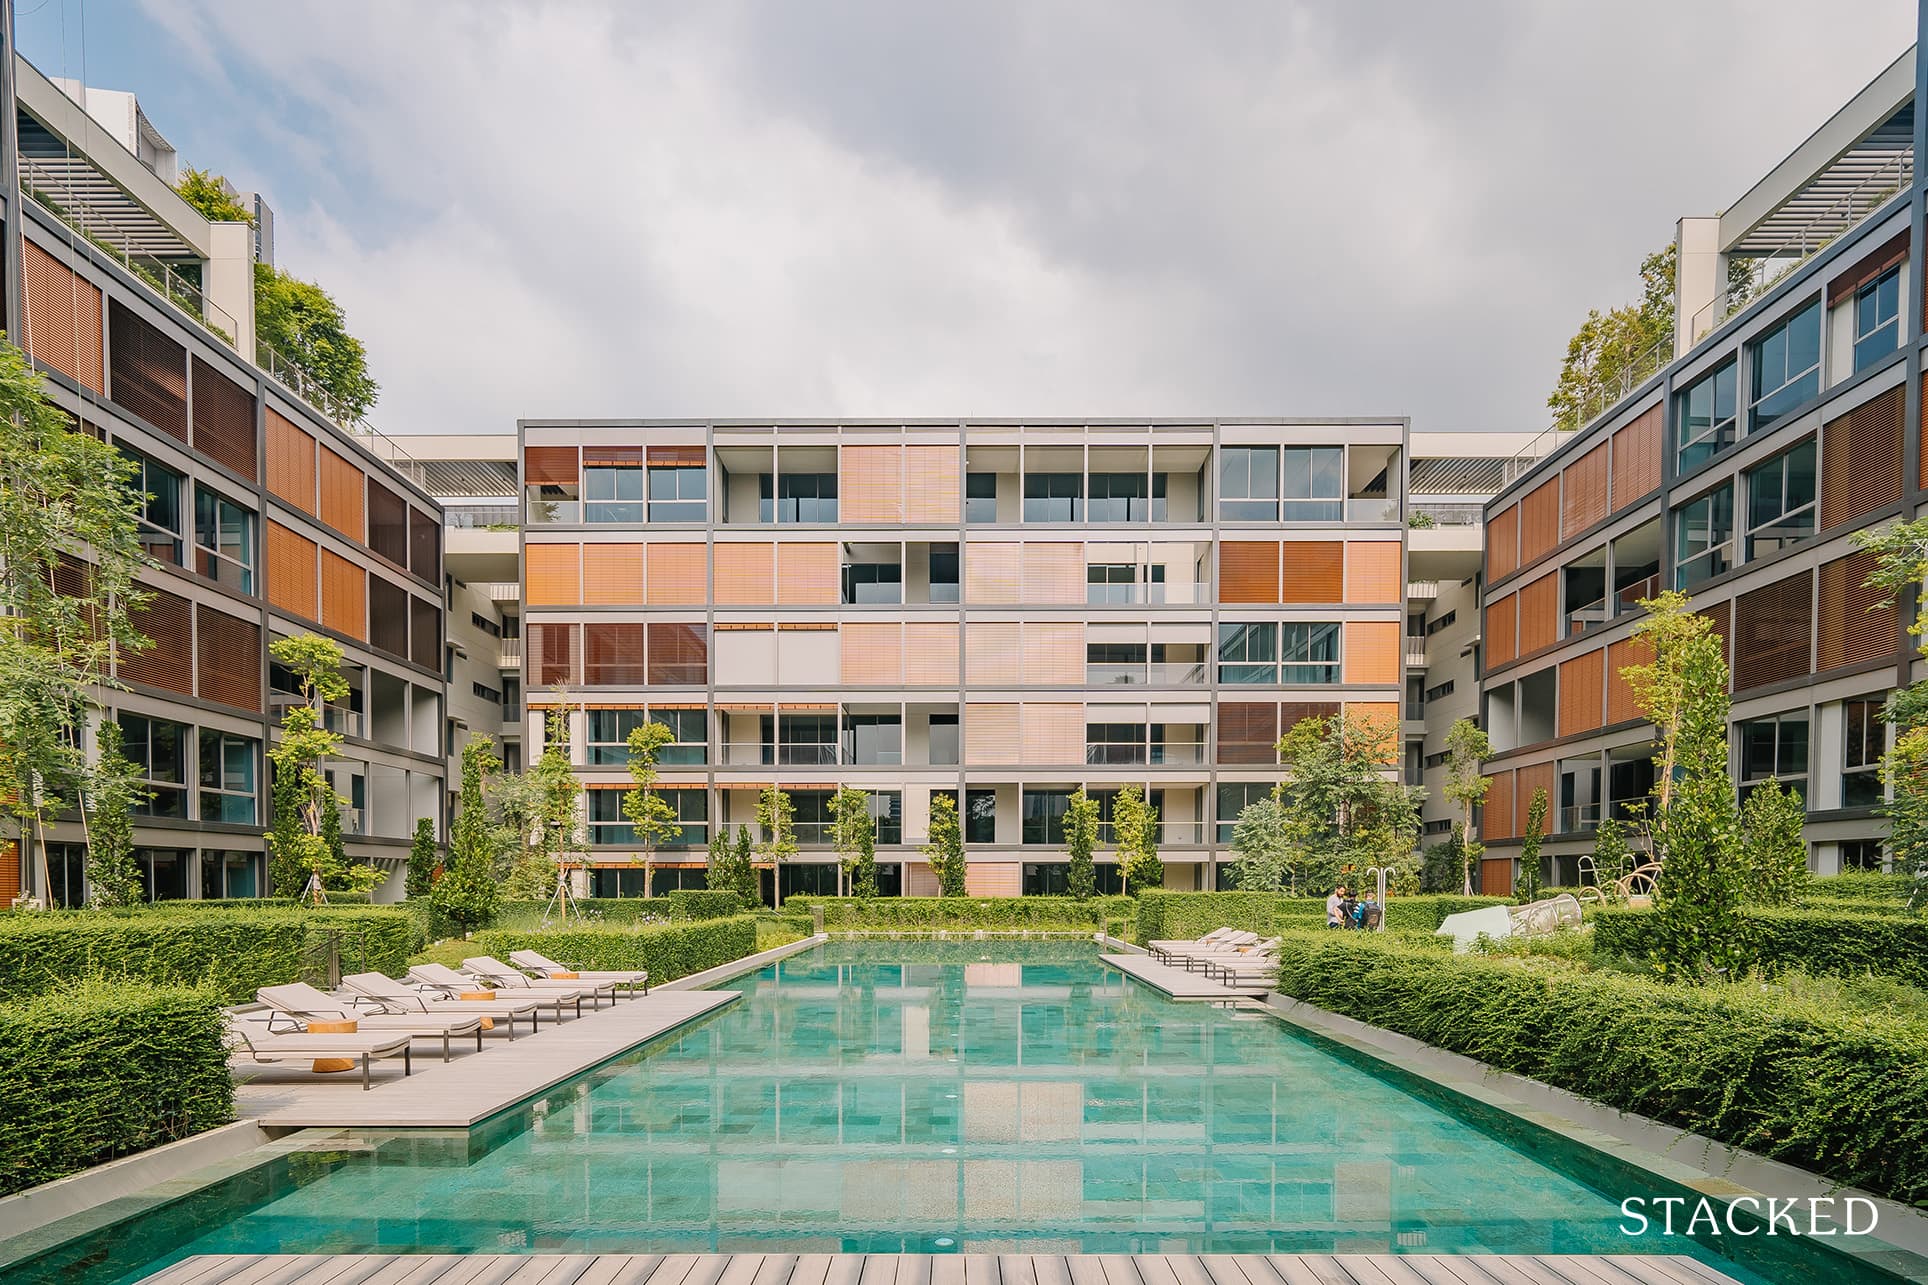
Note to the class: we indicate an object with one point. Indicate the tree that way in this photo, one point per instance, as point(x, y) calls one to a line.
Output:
point(745, 856)
point(776, 821)
point(1442, 865)
point(853, 833)
point(536, 816)
point(422, 859)
point(1467, 748)
point(1343, 808)
point(1529, 885)
point(69, 550)
point(304, 836)
point(465, 896)
point(1773, 848)
point(945, 850)
point(212, 197)
point(1262, 837)
point(649, 814)
point(1135, 823)
point(1080, 837)
point(113, 877)
point(304, 325)
point(1901, 564)
point(1668, 632)
point(731, 869)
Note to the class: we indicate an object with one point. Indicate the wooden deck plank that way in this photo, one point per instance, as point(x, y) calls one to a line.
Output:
point(633, 1272)
point(200, 1269)
point(1325, 1269)
point(1257, 1268)
point(1379, 1269)
point(810, 1269)
point(708, 1270)
point(1188, 1269)
point(947, 1269)
point(1085, 1269)
point(741, 1269)
point(981, 1269)
point(412, 1269)
point(673, 1269)
point(914, 1269)
point(1223, 1269)
point(1455, 1269)
point(1016, 1269)
point(1153, 1269)
point(774, 1269)
point(1120, 1269)
point(1292, 1269)
point(605, 1269)
point(879, 1269)
point(1051, 1269)
point(1506, 1269)
point(845, 1269)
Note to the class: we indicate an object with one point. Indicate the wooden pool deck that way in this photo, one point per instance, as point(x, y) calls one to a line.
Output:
point(938, 1269)
point(1180, 984)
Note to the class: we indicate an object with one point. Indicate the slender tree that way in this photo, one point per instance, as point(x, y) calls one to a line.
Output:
point(1344, 807)
point(1080, 837)
point(1530, 882)
point(945, 850)
point(1467, 748)
point(304, 837)
point(853, 833)
point(113, 877)
point(1135, 822)
point(745, 856)
point(1668, 634)
point(465, 896)
point(777, 841)
point(649, 814)
point(1901, 565)
point(1263, 841)
point(422, 859)
point(1773, 848)
point(1612, 855)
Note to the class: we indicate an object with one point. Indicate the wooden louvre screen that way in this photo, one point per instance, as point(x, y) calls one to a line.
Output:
point(552, 655)
point(552, 574)
point(612, 654)
point(63, 317)
point(1248, 732)
point(808, 574)
point(746, 574)
point(686, 456)
point(1371, 650)
point(931, 485)
point(679, 654)
point(1054, 574)
point(1721, 614)
point(1773, 627)
point(1248, 571)
point(291, 462)
point(930, 654)
point(1861, 460)
point(168, 619)
point(1527, 781)
point(149, 371)
point(612, 575)
point(1496, 814)
point(387, 617)
point(1312, 571)
point(990, 573)
point(1540, 521)
point(224, 421)
point(1884, 256)
point(1921, 444)
point(1583, 493)
point(424, 633)
point(1292, 713)
point(341, 495)
point(1503, 543)
point(424, 545)
point(992, 879)
point(1636, 459)
point(1539, 613)
point(991, 652)
point(229, 659)
point(603, 456)
point(1621, 707)
point(550, 466)
point(991, 734)
point(344, 596)
point(1372, 572)
point(873, 653)
point(387, 523)
point(293, 580)
point(1855, 626)
point(1052, 654)
point(1581, 693)
point(870, 486)
point(1502, 631)
point(1053, 734)
point(74, 578)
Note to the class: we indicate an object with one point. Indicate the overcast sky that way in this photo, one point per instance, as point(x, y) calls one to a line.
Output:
point(817, 207)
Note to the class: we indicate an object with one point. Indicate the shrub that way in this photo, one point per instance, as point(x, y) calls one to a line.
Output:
point(1837, 941)
point(700, 903)
point(668, 951)
point(526, 915)
point(1180, 915)
point(1838, 1094)
point(1859, 885)
point(952, 913)
point(102, 1071)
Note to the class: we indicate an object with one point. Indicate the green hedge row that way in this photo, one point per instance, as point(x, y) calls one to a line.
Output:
point(668, 951)
point(1869, 886)
point(1837, 940)
point(102, 1071)
point(703, 903)
point(1169, 916)
point(1840, 1095)
point(228, 949)
point(1040, 913)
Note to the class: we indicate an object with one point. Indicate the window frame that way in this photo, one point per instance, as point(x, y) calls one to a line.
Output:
point(1747, 779)
point(176, 536)
point(678, 504)
point(1248, 504)
point(1888, 284)
point(211, 744)
point(616, 506)
point(1053, 485)
point(139, 750)
point(1310, 669)
point(776, 508)
point(1769, 404)
point(1315, 505)
point(858, 575)
point(1864, 740)
point(1759, 530)
point(1719, 431)
point(1707, 551)
point(1246, 665)
point(211, 559)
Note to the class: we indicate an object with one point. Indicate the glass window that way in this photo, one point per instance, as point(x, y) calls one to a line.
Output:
point(1248, 653)
point(944, 577)
point(875, 582)
point(980, 816)
point(980, 497)
point(1866, 740)
point(1122, 497)
point(1780, 502)
point(887, 810)
point(1315, 484)
point(612, 494)
point(678, 493)
point(161, 514)
point(1053, 497)
point(1704, 537)
point(1775, 747)
point(807, 738)
point(1044, 815)
point(228, 777)
point(1114, 664)
point(608, 827)
point(1704, 417)
point(873, 738)
point(1311, 653)
point(608, 735)
point(158, 751)
point(1861, 854)
point(223, 540)
point(1118, 583)
point(1787, 367)
point(1877, 319)
point(1233, 798)
point(944, 740)
point(1115, 743)
point(800, 497)
point(1248, 483)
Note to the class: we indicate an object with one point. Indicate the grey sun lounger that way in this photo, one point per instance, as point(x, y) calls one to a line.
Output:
point(500, 974)
point(1217, 937)
point(297, 1003)
point(261, 1046)
point(452, 983)
point(399, 997)
point(543, 966)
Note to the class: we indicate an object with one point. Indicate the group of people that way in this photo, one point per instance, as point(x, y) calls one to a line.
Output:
point(1343, 910)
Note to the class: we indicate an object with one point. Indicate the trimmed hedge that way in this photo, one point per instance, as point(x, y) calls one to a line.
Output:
point(990, 913)
point(1836, 940)
point(230, 950)
point(1170, 916)
point(703, 903)
point(607, 910)
point(1839, 1095)
point(1861, 886)
point(668, 951)
point(102, 1071)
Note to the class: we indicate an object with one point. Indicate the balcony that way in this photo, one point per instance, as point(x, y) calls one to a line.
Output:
point(481, 517)
point(1161, 674)
point(1415, 652)
point(1578, 819)
point(788, 753)
point(1436, 513)
point(1171, 834)
point(509, 653)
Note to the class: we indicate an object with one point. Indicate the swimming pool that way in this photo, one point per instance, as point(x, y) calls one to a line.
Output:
point(936, 1097)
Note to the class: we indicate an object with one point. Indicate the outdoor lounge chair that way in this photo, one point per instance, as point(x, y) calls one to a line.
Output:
point(497, 973)
point(1159, 949)
point(536, 962)
point(296, 1004)
point(397, 997)
point(1206, 960)
point(1256, 967)
point(1194, 957)
point(454, 985)
point(363, 1046)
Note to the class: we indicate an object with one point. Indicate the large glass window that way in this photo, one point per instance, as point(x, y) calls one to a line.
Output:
point(1248, 483)
point(873, 738)
point(1780, 501)
point(161, 513)
point(1775, 747)
point(799, 497)
point(1115, 743)
point(1866, 740)
point(944, 577)
point(887, 810)
point(1877, 319)
point(1248, 653)
point(608, 733)
point(806, 739)
point(1704, 537)
point(980, 497)
point(158, 751)
point(1704, 417)
point(1043, 814)
point(1119, 583)
point(1315, 484)
point(228, 777)
point(678, 493)
point(223, 540)
point(1787, 367)
point(612, 494)
point(1310, 653)
point(873, 582)
point(1122, 497)
point(944, 743)
point(1053, 497)
point(1233, 798)
point(980, 816)
point(609, 828)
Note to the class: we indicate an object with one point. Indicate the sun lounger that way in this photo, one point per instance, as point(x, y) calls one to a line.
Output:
point(261, 1046)
point(398, 997)
point(497, 973)
point(454, 985)
point(537, 962)
point(1197, 957)
point(1243, 968)
point(297, 1003)
point(1159, 949)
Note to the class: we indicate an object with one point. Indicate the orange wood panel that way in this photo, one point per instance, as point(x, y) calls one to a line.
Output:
point(291, 462)
point(1502, 631)
point(342, 496)
point(933, 488)
point(344, 596)
point(873, 653)
point(1054, 574)
point(1372, 572)
point(1312, 571)
point(1054, 733)
point(991, 572)
point(1371, 650)
point(552, 574)
point(991, 734)
point(1503, 543)
point(1539, 613)
point(870, 487)
point(930, 654)
point(1052, 654)
point(612, 575)
point(992, 652)
point(677, 575)
point(746, 574)
point(1620, 702)
point(1584, 493)
point(1540, 521)
point(293, 572)
point(1636, 459)
point(1581, 693)
point(63, 317)
point(1248, 571)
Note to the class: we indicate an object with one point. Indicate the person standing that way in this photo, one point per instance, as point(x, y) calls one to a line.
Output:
point(1332, 903)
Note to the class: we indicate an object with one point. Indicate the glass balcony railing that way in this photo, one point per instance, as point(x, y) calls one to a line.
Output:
point(789, 753)
point(1162, 674)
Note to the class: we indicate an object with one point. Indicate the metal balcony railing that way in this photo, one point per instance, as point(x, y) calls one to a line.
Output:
point(1448, 513)
point(785, 753)
point(1161, 674)
point(1578, 818)
point(481, 517)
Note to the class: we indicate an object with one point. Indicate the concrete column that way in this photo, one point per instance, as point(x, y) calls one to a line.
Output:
point(1700, 275)
point(230, 283)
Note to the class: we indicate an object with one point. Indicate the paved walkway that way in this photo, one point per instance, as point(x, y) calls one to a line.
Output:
point(946, 1269)
point(1177, 982)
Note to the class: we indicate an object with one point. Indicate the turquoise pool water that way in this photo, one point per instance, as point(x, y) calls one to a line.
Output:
point(922, 1096)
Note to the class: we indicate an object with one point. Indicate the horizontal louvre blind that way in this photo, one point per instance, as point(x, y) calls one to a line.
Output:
point(387, 523)
point(169, 664)
point(612, 575)
point(689, 456)
point(1248, 571)
point(1529, 780)
point(341, 495)
point(229, 659)
point(1581, 693)
point(991, 734)
point(1503, 542)
point(1583, 497)
point(1502, 630)
point(594, 456)
point(344, 596)
point(1720, 614)
point(1772, 630)
point(149, 372)
point(293, 578)
point(1248, 732)
point(1372, 651)
point(1621, 707)
point(1879, 260)
point(679, 654)
point(612, 654)
point(677, 575)
point(1540, 521)
point(224, 421)
point(1054, 734)
point(991, 653)
point(1292, 713)
point(931, 486)
point(746, 574)
point(1861, 460)
point(871, 485)
point(930, 654)
point(424, 545)
point(1539, 614)
point(552, 574)
point(291, 462)
point(1496, 816)
point(387, 616)
point(63, 317)
point(990, 573)
point(1372, 572)
point(1380, 715)
point(1636, 459)
point(1053, 654)
point(550, 466)
point(1054, 574)
point(873, 653)
point(424, 633)
point(1312, 571)
point(1855, 626)
point(808, 574)
point(552, 655)
point(992, 879)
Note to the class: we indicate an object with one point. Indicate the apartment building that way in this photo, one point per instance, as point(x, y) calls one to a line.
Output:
point(1002, 611)
point(1786, 417)
point(266, 518)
